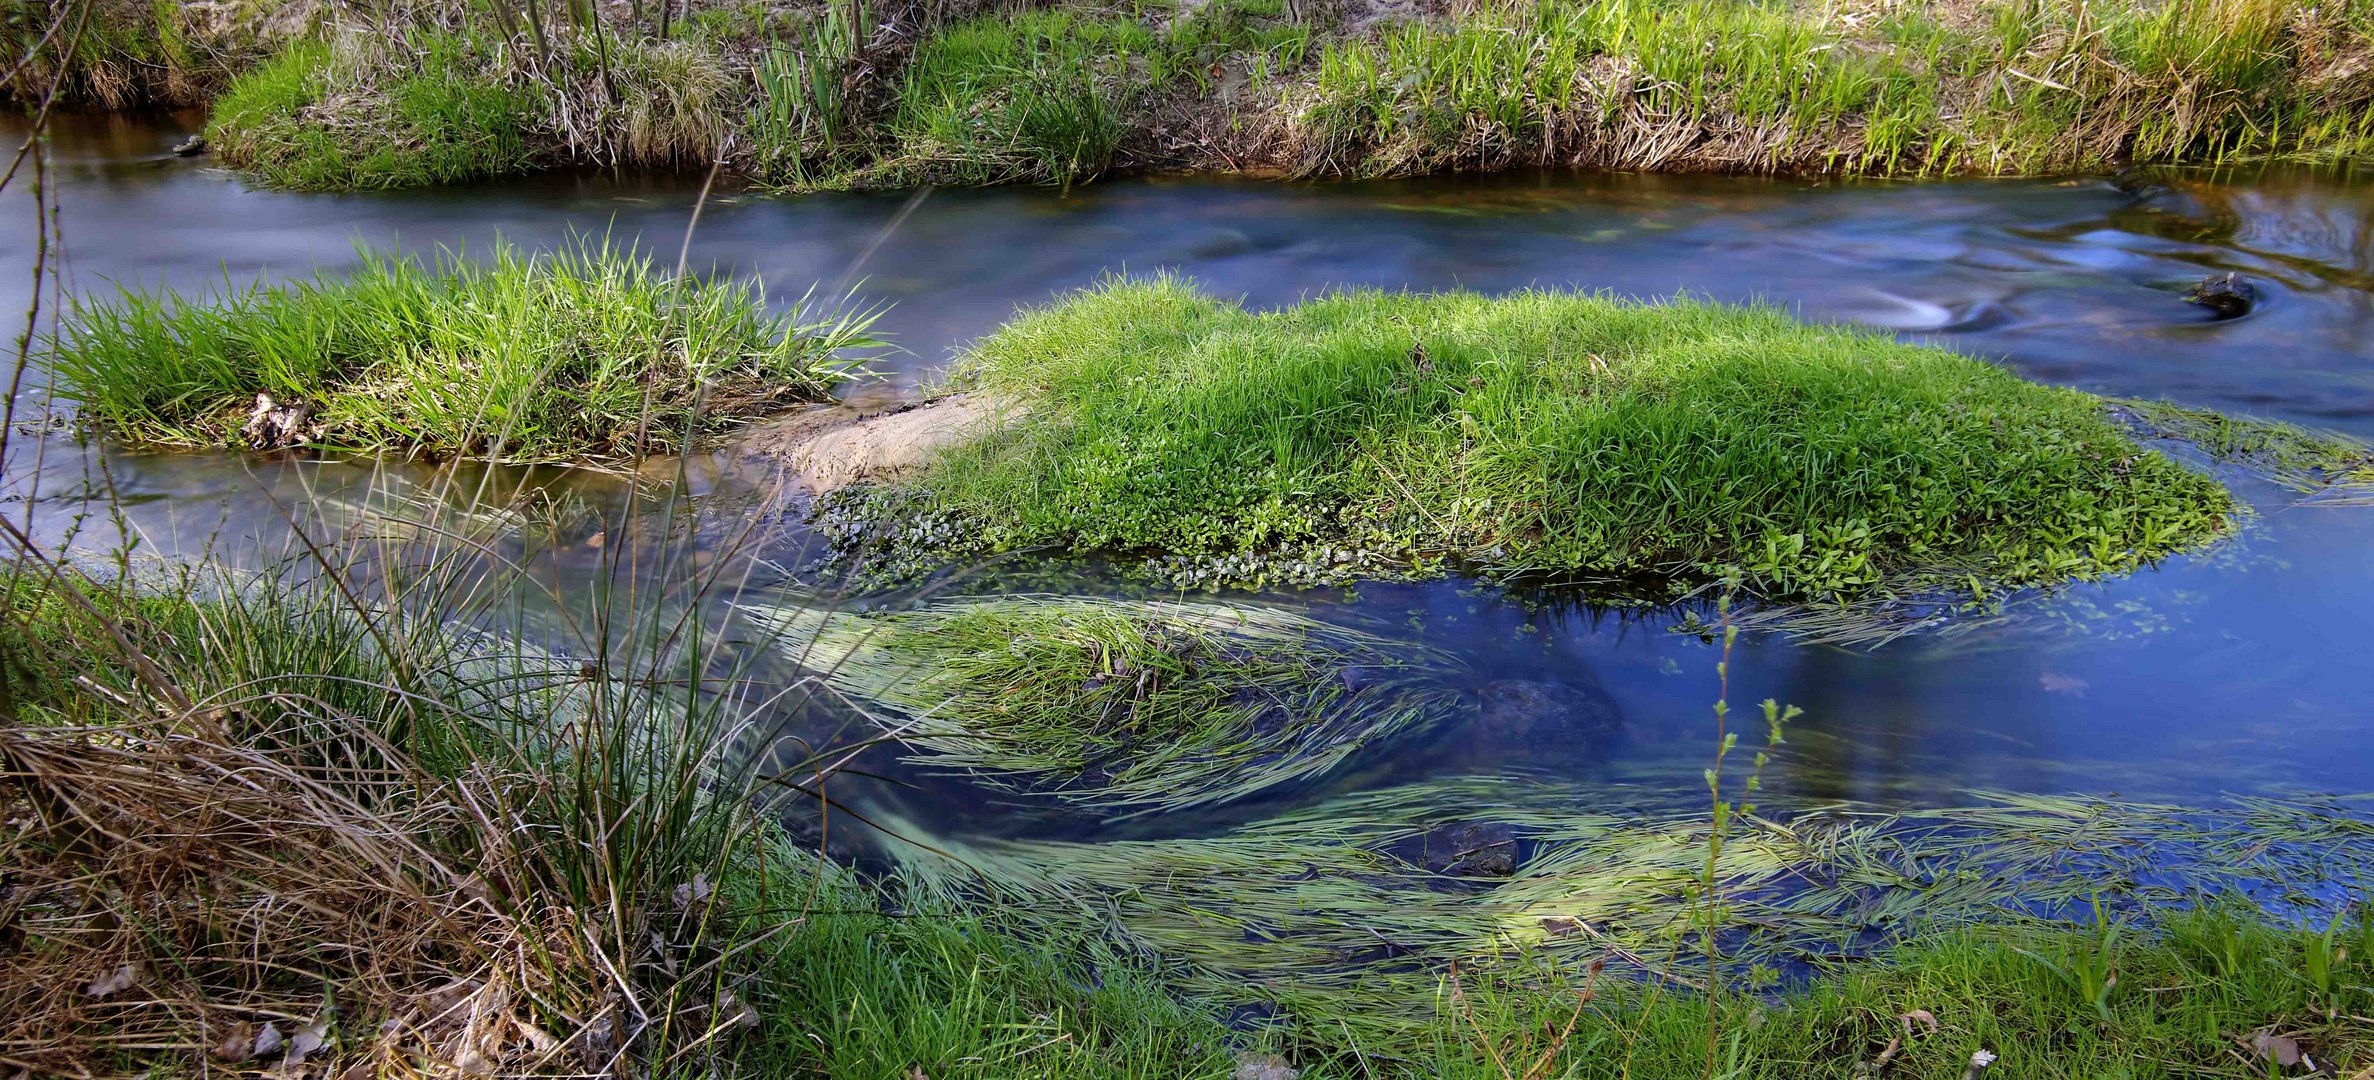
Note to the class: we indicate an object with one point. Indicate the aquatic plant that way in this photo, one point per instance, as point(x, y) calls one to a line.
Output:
point(2329, 468)
point(1323, 912)
point(1138, 704)
point(1543, 435)
point(581, 354)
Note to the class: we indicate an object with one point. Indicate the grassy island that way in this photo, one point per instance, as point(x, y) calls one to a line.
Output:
point(1543, 434)
point(584, 354)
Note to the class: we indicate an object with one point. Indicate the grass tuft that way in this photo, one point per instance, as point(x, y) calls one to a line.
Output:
point(588, 353)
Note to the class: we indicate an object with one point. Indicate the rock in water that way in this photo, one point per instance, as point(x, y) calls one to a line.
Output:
point(1525, 712)
point(1473, 849)
point(2231, 297)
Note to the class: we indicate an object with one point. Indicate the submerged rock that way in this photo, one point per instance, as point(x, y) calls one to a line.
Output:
point(1468, 849)
point(2231, 296)
point(1252, 1066)
point(1525, 712)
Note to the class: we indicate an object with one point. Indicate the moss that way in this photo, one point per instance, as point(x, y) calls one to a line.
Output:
point(588, 353)
point(1547, 433)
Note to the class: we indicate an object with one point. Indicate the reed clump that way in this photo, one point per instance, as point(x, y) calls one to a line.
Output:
point(257, 825)
point(1543, 434)
point(584, 354)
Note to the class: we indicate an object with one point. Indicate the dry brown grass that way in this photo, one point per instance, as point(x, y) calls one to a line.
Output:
point(274, 884)
point(177, 891)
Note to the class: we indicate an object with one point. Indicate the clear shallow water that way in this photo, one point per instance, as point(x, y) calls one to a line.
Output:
point(2240, 670)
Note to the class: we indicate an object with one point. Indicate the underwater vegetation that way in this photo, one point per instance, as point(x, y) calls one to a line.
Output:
point(1357, 906)
point(1124, 704)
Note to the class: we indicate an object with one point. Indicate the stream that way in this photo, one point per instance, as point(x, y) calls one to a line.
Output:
point(2238, 670)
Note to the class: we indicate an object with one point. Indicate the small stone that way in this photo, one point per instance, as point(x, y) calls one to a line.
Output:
point(1252, 1066)
point(1469, 849)
point(2230, 297)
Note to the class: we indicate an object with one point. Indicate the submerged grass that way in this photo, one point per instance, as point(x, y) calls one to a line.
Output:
point(2333, 468)
point(1142, 704)
point(1544, 434)
point(1321, 914)
point(587, 353)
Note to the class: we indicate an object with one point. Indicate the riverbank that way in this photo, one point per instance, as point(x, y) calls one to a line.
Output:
point(260, 826)
point(856, 93)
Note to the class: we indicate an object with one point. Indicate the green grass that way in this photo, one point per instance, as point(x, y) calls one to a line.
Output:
point(1120, 703)
point(588, 353)
point(1698, 84)
point(1030, 97)
point(1544, 433)
point(1064, 94)
point(958, 994)
point(406, 107)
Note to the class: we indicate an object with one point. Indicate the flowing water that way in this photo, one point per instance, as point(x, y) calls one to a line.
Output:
point(2241, 669)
